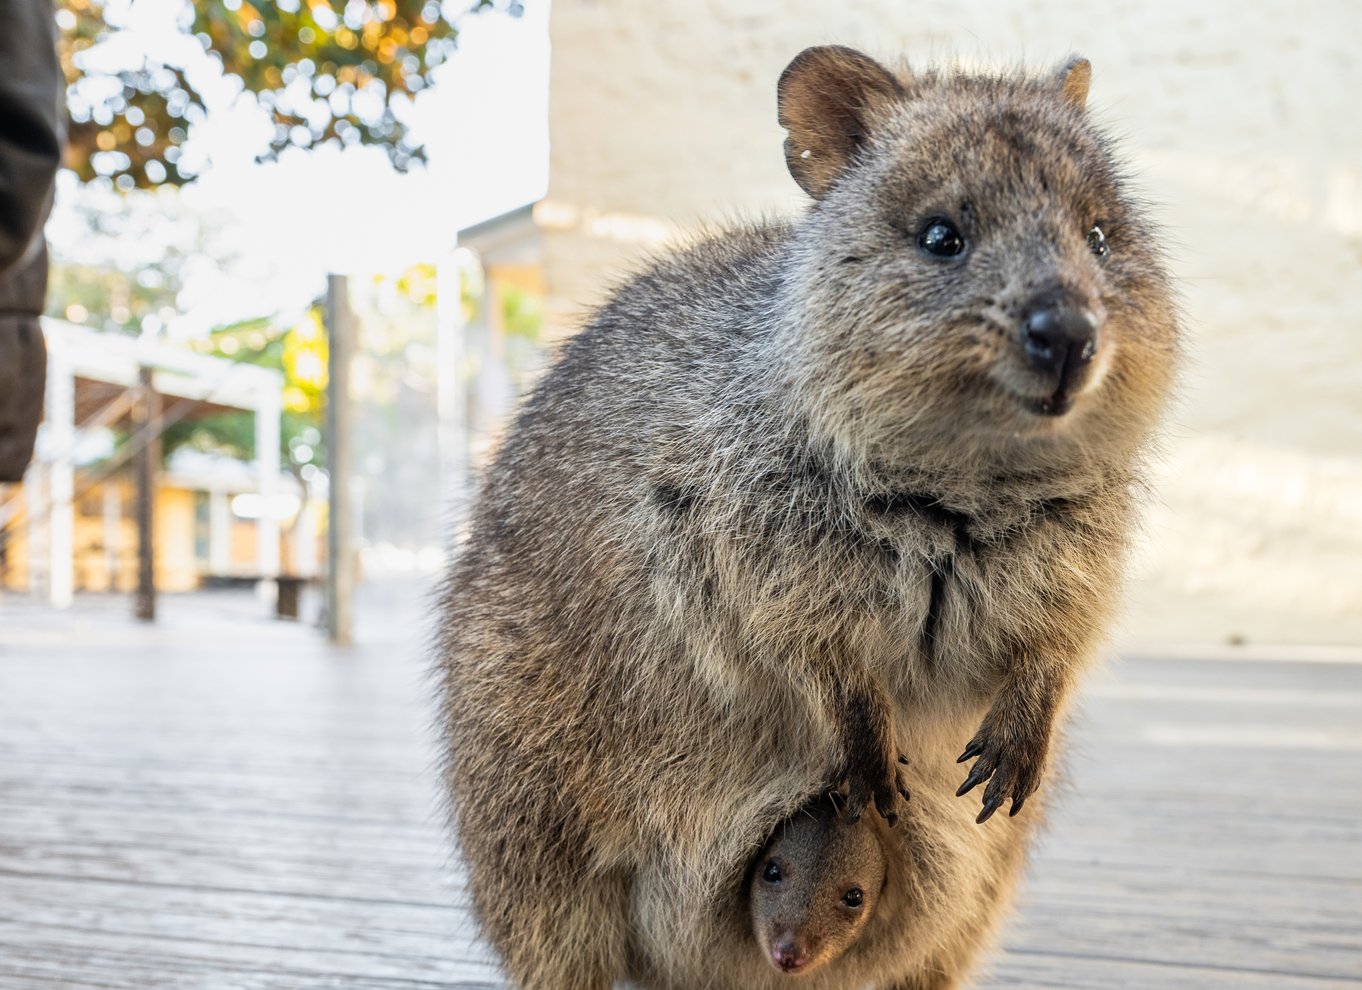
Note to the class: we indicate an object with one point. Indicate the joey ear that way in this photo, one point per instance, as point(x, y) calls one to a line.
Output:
point(826, 100)
point(1074, 79)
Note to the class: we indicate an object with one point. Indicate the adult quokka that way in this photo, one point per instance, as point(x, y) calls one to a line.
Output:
point(799, 499)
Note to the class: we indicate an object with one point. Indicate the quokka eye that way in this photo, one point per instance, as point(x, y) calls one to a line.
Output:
point(772, 872)
point(853, 898)
point(939, 237)
point(1097, 242)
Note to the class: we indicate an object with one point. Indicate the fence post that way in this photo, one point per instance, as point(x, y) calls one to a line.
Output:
point(146, 422)
point(340, 575)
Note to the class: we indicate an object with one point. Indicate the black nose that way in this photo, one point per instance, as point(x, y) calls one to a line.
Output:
point(1059, 339)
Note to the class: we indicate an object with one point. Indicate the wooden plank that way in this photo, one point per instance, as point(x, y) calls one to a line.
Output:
point(1031, 969)
point(1209, 835)
point(224, 801)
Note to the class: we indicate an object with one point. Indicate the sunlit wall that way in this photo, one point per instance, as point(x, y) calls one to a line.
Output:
point(1241, 123)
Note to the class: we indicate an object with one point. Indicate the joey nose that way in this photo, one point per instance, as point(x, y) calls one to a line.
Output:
point(1059, 340)
point(788, 955)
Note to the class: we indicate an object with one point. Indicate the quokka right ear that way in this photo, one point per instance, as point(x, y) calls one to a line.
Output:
point(827, 98)
point(1074, 78)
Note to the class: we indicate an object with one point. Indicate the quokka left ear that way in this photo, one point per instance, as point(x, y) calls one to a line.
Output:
point(1074, 78)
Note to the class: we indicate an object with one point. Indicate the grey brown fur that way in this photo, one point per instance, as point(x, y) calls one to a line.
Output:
point(798, 499)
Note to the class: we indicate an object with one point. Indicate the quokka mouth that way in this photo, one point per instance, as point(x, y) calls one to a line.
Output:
point(1054, 405)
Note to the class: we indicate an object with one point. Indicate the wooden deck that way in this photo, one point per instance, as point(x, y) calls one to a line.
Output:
point(223, 802)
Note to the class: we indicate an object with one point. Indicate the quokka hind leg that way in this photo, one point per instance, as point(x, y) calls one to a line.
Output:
point(556, 922)
point(557, 935)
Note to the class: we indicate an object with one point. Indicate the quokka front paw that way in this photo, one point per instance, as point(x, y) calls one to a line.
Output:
point(1010, 763)
point(861, 784)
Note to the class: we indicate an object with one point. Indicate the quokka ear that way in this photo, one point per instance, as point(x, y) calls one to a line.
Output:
point(827, 99)
point(1074, 77)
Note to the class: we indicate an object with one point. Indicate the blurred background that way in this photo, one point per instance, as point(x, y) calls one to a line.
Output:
point(478, 177)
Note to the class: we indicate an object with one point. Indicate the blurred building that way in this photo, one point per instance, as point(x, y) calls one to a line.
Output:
point(501, 336)
point(199, 537)
point(69, 527)
point(1239, 121)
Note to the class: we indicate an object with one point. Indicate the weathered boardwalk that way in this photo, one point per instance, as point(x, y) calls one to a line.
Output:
point(223, 802)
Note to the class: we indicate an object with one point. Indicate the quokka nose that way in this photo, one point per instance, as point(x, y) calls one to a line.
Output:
point(1060, 340)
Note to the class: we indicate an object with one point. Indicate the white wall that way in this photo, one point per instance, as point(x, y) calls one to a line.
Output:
point(1241, 121)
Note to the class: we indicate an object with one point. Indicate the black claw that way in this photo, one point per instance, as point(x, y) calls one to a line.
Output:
point(903, 793)
point(884, 804)
point(976, 777)
point(903, 759)
point(1016, 807)
point(990, 806)
point(891, 819)
point(973, 749)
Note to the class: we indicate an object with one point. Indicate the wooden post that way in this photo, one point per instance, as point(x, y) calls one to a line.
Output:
point(113, 524)
point(59, 420)
point(35, 517)
point(219, 533)
point(340, 575)
point(268, 410)
point(146, 424)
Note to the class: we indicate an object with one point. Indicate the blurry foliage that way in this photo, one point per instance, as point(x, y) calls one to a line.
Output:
point(393, 384)
point(326, 71)
point(300, 352)
point(417, 285)
point(129, 258)
point(107, 298)
point(395, 356)
point(521, 313)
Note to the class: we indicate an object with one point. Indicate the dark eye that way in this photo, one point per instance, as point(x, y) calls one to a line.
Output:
point(1097, 242)
point(939, 237)
point(772, 872)
point(853, 898)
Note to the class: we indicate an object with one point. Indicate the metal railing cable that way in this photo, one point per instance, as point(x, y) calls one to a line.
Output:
point(156, 427)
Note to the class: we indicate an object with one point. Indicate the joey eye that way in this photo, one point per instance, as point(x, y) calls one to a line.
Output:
point(853, 898)
point(1097, 242)
point(771, 874)
point(939, 237)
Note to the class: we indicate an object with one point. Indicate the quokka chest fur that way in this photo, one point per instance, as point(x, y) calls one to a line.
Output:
point(809, 506)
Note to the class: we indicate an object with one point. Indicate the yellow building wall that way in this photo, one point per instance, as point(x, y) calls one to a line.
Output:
point(176, 568)
point(241, 545)
point(92, 559)
point(14, 561)
point(175, 527)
